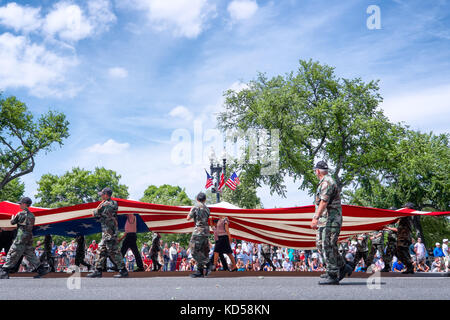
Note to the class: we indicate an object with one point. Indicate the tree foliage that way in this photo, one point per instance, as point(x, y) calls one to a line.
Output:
point(78, 186)
point(319, 116)
point(418, 172)
point(13, 191)
point(167, 195)
point(22, 138)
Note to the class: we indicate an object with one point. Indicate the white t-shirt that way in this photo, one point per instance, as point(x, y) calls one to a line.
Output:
point(420, 250)
point(445, 249)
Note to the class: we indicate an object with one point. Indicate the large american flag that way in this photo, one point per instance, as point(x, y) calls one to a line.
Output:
point(283, 227)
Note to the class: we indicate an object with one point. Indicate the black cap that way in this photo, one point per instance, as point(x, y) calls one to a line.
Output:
point(410, 205)
point(321, 165)
point(107, 191)
point(201, 197)
point(26, 200)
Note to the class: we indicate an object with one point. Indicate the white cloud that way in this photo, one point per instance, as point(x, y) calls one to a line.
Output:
point(242, 9)
point(118, 72)
point(109, 147)
point(20, 18)
point(30, 65)
point(181, 112)
point(68, 22)
point(185, 18)
point(101, 15)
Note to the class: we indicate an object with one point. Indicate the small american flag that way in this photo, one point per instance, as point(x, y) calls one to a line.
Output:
point(222, 182)
point(233, 181)
point(209, 180)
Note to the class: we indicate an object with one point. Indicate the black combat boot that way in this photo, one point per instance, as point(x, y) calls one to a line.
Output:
point(208, 268)
point(331, 280)
point(4, 274)
point(96, 274)
point(123, 273)
point(198, 274)
point(41, 271)
point(346, 270)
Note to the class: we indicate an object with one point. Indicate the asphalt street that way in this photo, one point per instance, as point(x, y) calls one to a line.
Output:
point(243, 288)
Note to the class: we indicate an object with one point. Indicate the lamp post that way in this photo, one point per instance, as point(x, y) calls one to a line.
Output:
point(217, 169)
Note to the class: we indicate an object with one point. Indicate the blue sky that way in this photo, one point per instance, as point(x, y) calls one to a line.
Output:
point(129, 74)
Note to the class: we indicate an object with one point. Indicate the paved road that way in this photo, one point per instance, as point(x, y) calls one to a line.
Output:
point(245, 288)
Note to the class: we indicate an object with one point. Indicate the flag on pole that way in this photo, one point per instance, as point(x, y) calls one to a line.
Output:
point(209, 180)
point(222, 182)
point(233, 181)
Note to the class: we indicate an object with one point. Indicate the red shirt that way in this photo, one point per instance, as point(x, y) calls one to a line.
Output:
point(93, 247)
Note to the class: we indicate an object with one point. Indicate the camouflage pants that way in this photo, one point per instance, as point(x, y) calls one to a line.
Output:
point(109, 248)
point(329, 236)
point(373, 252)
point(388, 255)
point(200, 250)
point(403, 255)
point(266, 256)
point(360, 255)
point(16, 252)
point(154, 257)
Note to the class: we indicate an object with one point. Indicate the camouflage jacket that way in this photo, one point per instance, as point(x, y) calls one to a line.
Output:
point(362, 246)
point(25, 223)
point(328, 191)
point(155, 247)
point(107, 215)
point(404, 231)
point(377, 240)
point(392, 235)
point(200, 214)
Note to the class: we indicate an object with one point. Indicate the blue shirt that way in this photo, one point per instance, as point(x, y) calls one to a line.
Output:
point(397, 266)
point(437, 252)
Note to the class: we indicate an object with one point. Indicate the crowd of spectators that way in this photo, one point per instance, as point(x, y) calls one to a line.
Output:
point(248, 255)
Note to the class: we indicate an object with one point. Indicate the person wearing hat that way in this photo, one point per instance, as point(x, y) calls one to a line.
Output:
point(404, 240)
point(446, 253)
point(106, 213)
point(199, 242)
point(23, 243)
point(328, 206)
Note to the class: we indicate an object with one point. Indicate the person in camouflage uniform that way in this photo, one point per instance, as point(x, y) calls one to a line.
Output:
point(328, 206)
point(106, 213)
point(404, 230)
point(362, 250)
point(377, 239)
point(199, 243)
point(46, 256)
point(391, 247)
point(266, 254)
point(154, 250)
point(23, 243)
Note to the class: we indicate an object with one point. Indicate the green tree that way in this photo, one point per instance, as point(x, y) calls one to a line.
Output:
point(244, 196)
point(78, 186)
point(22, 138)
point(418, 172)
point(167, 195)
point(319, 116)
point(13, 191)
